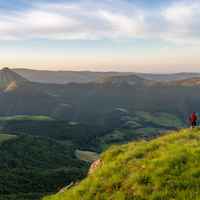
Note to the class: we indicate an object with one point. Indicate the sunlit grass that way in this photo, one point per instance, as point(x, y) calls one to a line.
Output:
point(5, 137)
point(161, 119)
point(162, 169)
point(26, 117)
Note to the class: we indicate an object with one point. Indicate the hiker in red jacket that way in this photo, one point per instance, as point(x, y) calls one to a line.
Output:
point(193, 119)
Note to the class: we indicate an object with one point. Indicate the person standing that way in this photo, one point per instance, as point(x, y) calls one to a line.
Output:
point(193, 120)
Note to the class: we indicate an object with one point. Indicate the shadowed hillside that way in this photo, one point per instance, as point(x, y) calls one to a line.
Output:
point(31, 167)
point(64, 77)
point(93, 102)
point(161, 169)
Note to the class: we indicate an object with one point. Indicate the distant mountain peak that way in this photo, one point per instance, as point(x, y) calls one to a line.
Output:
point(5, 69)
point(10, 78)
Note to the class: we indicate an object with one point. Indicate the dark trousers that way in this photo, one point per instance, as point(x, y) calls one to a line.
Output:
point(194, 124)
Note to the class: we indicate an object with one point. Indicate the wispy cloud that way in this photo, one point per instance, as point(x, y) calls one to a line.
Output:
point(183, 21)
point(89, 20)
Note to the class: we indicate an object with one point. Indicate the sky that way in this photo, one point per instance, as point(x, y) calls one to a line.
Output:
point(157, 36)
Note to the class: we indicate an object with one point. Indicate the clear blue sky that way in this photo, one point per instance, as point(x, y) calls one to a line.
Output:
point(107, 35)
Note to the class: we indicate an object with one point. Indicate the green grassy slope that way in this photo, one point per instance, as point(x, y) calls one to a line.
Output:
point(161, 169)
point(131, 126)
point(26, 118)
point(160, 119)
point(6, 137)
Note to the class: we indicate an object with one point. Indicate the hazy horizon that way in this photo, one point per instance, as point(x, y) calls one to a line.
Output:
point(111, 71)
point(84, 35)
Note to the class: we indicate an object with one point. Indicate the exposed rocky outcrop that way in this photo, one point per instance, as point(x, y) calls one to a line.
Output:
point(96, 164)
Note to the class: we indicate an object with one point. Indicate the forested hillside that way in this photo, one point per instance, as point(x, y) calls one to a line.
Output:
point(119, 126)
point(31, 167)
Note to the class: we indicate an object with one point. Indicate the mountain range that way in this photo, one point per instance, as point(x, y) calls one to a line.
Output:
point(63, 77)
point(91, 102)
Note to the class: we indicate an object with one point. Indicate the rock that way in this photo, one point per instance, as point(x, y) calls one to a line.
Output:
point(96, 164)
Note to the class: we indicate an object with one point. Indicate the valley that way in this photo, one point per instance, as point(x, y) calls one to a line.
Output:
point(50, 133)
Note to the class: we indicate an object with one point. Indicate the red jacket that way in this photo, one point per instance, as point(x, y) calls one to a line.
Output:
point(193, 117)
